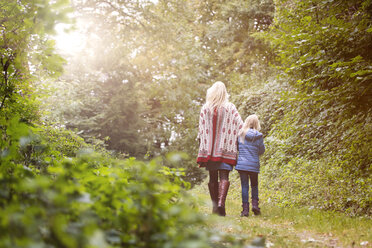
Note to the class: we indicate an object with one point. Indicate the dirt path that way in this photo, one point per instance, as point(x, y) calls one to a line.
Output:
point(286, 228)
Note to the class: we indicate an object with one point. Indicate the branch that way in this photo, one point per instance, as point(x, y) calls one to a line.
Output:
point(116, 8)
point(5, 70)
point(3, 101)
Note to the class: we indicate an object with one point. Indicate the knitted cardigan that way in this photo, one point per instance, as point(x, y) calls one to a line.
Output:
point(218, 132)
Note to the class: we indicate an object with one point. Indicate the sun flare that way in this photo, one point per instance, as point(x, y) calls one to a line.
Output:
point(68, 40)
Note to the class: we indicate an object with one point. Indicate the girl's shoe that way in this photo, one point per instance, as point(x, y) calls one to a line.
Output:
point(245, 212)
point(256, 210)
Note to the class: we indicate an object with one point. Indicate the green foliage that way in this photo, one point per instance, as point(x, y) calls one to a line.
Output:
point(39, 146)
point(322, 184)
point(93, 201)
point(140, 88)
point(285, 226)
point(67, 143)
point(26, 51)
point(228, 39)
point(140, 85)
point(319, 148)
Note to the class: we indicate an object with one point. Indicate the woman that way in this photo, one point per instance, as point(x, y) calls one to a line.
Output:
point(219, 125)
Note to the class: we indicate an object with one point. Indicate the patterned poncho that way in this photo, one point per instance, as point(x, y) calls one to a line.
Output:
point(218, 132)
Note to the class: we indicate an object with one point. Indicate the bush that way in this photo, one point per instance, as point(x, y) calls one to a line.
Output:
point(315, 163)
point(318, 134)
point(92, 201)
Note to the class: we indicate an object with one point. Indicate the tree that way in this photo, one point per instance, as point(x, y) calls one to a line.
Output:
point(323, 122)
point(167, 54)
point(25, 51)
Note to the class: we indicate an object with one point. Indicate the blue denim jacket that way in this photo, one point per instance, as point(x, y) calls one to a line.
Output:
point(249, 151)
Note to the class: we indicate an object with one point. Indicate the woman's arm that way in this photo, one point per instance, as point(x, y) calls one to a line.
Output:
point(238, 119)
point(201, 118)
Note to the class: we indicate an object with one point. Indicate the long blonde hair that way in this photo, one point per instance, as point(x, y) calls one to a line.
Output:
point(251, 122)
point(217, 95)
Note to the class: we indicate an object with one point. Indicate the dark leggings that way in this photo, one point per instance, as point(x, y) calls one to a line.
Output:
point(244, 179)
point(213, 175)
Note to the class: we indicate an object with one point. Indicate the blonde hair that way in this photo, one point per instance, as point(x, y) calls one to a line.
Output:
point(251, 122)
point(217, 95)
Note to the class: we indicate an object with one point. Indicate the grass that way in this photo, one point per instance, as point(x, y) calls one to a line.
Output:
point(287, 227)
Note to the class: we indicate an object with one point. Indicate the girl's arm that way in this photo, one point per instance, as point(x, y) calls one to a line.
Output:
point(261, 146)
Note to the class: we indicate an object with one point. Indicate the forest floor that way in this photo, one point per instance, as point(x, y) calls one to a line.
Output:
point(286, 227)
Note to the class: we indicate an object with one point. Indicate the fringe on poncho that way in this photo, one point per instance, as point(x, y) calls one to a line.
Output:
point(218, 133)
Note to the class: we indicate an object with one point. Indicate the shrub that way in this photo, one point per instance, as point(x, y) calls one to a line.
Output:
point(92, 201)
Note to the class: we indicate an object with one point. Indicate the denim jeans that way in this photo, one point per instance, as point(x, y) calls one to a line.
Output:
point(244, 179)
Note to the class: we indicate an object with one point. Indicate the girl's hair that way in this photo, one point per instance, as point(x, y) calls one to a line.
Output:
point(251, 122)
point(217, 95)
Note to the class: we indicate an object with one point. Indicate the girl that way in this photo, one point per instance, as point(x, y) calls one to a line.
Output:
point(251, 146)
point(219, 123)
